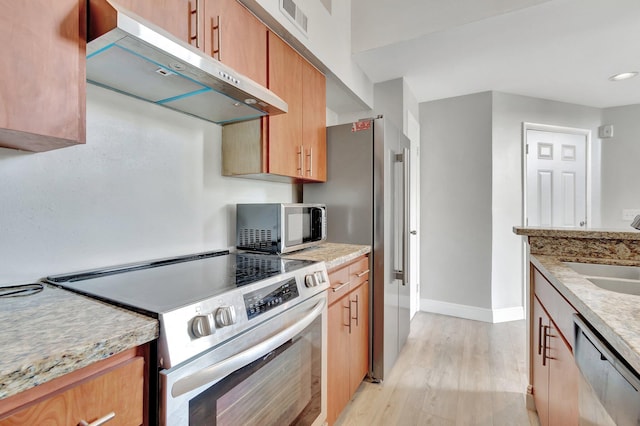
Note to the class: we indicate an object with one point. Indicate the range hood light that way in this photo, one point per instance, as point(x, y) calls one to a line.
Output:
point(250, 101)
point(623, 76)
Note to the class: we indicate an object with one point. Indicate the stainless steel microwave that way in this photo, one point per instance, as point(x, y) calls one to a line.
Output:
point(280, 228)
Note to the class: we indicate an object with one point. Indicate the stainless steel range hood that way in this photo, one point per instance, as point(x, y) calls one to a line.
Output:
point(127, 54)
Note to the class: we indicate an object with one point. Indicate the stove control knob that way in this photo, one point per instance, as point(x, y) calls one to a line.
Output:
point(225, 316)
point(203, 325)
point(314, 280)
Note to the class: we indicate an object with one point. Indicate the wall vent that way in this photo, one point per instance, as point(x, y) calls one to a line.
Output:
point(291, 10)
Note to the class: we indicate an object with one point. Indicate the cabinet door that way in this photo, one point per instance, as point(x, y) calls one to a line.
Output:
point(119, 391)
point(235, 37)
point(42, 88)
point(563, 381)
point(540, 367)
point(338, 358)
point(171, 15)
point(285, 130)
point(314, 123)
point(359, 367)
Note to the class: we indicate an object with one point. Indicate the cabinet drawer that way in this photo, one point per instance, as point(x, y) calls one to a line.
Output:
point(359, 272)
point(339, 281)
point(119, 391)
point(557, 306)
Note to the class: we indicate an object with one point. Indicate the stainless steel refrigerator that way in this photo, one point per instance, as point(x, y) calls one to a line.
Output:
point(367, 198)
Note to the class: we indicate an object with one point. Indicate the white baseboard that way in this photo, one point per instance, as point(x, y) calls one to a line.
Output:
point(472, 312)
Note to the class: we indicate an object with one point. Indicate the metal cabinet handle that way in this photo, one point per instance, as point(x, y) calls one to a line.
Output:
point(194, 12)
point(310, 158)
point(300, 161)
point(340, 287)
point(546, 334)
point(539, 335)
point(215, 47)
point(544, 349)
point(349, 323)
point(365, 272)
point(357, 309)
point(102, 420)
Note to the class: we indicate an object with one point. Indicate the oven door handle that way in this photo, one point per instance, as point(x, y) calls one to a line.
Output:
point(220, 370)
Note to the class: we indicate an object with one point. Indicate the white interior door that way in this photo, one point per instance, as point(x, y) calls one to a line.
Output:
point(556, 188)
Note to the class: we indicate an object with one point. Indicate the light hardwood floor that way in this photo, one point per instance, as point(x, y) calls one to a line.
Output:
point(451, 372)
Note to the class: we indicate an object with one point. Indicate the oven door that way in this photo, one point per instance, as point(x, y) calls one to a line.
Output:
point(303, 225)
point(274, 374)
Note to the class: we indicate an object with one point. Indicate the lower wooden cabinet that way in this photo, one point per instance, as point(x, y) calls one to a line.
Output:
point(348, 334)
point(555, 373)
point(111, 389)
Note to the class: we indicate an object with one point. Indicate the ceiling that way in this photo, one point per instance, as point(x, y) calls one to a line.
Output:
point(563, 50)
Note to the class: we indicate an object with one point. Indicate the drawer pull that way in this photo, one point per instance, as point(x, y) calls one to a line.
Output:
point(338, 288)
point(366, 271)
point(100, 421)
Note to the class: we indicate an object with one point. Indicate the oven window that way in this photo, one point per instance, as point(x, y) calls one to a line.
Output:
point(281, 388)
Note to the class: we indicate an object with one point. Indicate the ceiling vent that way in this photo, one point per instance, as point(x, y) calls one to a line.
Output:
point(295, 15)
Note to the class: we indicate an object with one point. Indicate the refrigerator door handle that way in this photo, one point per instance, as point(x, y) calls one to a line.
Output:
point(406, 176)
point(403, 275)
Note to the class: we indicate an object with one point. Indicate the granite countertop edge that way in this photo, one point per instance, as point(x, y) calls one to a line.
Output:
point(615, 316)
point(602, 234)
point(332, 254)
point(23, 372)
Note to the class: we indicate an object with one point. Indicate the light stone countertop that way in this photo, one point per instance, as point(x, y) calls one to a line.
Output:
point(46, 335)
point(332, 254)
point(616, 316)
point(583, 233)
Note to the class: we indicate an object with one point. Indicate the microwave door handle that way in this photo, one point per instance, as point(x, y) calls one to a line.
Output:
point(218, 371)
point(323, 219)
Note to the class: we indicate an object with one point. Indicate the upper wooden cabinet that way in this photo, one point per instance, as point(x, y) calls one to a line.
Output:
point(172, 15)
point(286, 152)
point(42, 89)
point(289, 146)
point(314, 122)
point(234, 36)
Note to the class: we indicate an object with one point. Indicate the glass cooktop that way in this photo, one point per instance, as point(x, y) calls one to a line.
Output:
point(161, 286)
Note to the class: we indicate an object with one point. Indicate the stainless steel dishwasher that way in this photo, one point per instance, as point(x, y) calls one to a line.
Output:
point(609, 388)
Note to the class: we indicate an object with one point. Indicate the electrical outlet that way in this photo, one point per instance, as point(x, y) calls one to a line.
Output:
point(630, 214)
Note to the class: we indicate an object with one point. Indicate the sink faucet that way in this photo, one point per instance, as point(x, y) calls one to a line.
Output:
point(636, 222)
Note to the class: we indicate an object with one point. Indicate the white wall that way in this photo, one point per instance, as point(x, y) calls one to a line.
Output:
point(509, 112)
point(147, 184)
point(470, 204)
point(621, 165)
point(456, 205)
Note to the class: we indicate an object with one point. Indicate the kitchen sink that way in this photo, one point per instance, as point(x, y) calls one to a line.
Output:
point(618, 285)
point(607, 271)
point(618, 278)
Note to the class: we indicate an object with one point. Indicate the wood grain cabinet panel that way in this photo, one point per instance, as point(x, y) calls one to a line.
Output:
point(172, 15)
point(119, 391)
point(285, 130)
point(43, 84)
point(348, 334)
point(235, 37)
point(555, 373)
point(286, 147)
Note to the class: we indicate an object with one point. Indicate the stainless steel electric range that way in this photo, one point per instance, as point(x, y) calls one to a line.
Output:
point(242, 335)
